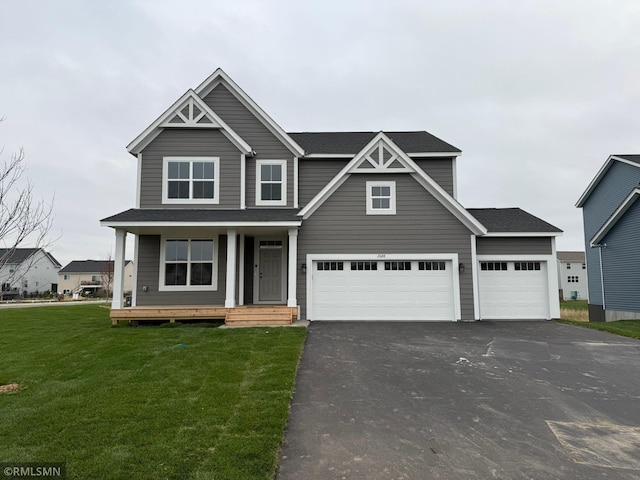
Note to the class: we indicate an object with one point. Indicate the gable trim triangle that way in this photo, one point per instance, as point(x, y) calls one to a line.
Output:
point(190, 100)
point(218, 77)
point(410, 167)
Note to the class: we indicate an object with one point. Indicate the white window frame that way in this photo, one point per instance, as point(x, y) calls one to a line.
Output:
point(216, 180)
point(183, 288)
point(392, 198)
point(283, 166)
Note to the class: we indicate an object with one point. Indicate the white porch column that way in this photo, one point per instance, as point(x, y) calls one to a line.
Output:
point(230, 297)
point(118, 269)
point(293, 271)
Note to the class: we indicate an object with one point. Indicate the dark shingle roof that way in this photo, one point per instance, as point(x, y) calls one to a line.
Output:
point(576, 257)
point(206, 215)
point(352, 142)
point(511, 220)
point(631, 158)
point(90, 266)
point(21, 254)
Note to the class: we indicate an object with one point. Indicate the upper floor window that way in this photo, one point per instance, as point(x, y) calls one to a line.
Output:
point(568, 266)
point(381, 198)
point(191, 180)
point(271, 182)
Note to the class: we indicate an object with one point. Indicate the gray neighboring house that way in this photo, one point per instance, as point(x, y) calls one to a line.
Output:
point(611, 219)
point(572, 276)
point(231, 210)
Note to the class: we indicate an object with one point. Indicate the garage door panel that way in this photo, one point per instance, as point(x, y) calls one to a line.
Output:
point(380, 294)
point(513, 294)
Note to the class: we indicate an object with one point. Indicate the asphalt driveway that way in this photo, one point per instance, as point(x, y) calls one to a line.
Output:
point(506, 400)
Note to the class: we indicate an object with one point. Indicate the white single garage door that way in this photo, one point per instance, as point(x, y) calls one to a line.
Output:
point(382, 290)
point(513, 290)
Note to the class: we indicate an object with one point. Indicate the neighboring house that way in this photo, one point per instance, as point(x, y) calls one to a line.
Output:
point(611, 218)
point(232, 210)
point(27, 271)
point(572, 276)
point(88, 276)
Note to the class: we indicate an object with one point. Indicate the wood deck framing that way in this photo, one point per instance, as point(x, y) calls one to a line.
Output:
point(253, 315)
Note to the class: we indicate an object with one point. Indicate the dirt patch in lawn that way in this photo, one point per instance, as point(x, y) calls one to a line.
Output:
point(11, 387)
point(577, 315)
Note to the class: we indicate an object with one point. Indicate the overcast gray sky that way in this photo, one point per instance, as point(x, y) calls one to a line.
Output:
point(536, 93)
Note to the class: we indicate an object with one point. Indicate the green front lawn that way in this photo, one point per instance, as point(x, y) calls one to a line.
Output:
point(627, 328)
point(149, 402)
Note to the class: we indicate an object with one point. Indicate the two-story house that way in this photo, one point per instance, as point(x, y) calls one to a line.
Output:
point(232, 210)
point(572, 276)
point(86, 277)
point(26, 272)
point(611, 217)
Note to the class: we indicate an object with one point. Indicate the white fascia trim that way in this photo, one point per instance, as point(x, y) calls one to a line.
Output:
point(199, 224)
point(434, 154)
point(523, 234)
point(615, 217)
point(219, 76)
point(599, 175)
point(283, 169)
point(452, 257)
point(153, 130)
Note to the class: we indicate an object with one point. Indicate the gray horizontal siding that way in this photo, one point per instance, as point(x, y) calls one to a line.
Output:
point(613, 188)
point(149, 275)
point(440, 169)
point(621, 263)
point(183, 142)
point(514, 246)
point(314, 174)
point(421, 225)
point(263, 142)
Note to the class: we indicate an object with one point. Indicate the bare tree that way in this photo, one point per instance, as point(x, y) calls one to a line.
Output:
point(25, 221)
point(107, 274)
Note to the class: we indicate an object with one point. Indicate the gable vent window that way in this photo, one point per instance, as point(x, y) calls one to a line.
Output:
point(190, 180)
point(584, 266)
point(381, 198)
point(572, 279)
point(432, 266)
point(397, 265)
point(493, 266)
point(568, 266)
point(271, 182)
point(330, 266)
point(527, 266)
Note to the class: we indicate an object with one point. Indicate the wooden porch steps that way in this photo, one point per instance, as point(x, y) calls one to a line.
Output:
point(260, 315)
point(248, 315)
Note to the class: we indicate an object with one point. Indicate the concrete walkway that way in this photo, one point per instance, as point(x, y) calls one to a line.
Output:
point(508, 400)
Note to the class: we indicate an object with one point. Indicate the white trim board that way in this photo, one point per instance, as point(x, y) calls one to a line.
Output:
point(153, 130)
point(522, 234)
point(615, 217)
point(603, 170)
point(218, 77)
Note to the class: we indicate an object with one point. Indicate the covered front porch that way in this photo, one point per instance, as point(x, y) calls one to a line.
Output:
point(208, 269)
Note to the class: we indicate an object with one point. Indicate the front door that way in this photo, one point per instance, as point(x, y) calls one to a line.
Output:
point(270, 274)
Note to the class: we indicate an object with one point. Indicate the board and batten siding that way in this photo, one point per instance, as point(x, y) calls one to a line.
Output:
point(421, 225)
point(182, 142)
point(252, 131)
point(621, 263)
point(440, 169)
point(514, 246)
point(149, 276)
point(613, 188)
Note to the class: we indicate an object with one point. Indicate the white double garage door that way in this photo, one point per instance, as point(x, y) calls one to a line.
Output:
point(424, 289)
